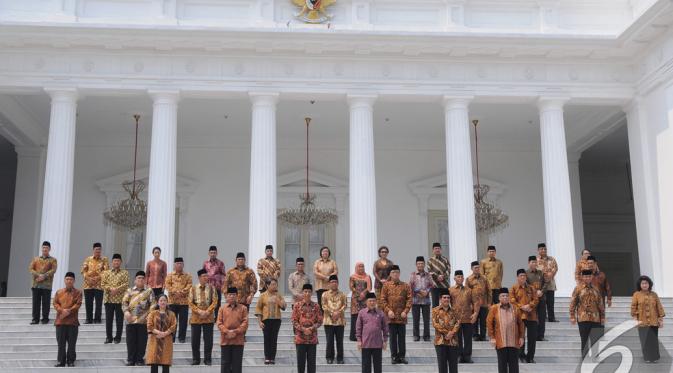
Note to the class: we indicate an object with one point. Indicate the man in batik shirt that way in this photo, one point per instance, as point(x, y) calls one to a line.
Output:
point(535, 278)
point(466, 307)
point(243, 279)
point(524, 297)
point(297, 279)
point(268, 268)
point(216, 274)
point(421, 285)
point(588, 311)
point(178, 284)
point(333, 306)
point(202, 301)
point(136, 305)
point(440, 270)
point(600, 281)
point(447, 325)
point(92, 267)
point(67, 302)
point(114, 282)
point(306, 320)
point(42, 269)
point(482, 292)
point(547, 264)
point(492, 269)
point(396, 303)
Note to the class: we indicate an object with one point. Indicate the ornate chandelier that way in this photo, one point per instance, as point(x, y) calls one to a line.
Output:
point(488, 218)
point(307, 213)
point(129, 213)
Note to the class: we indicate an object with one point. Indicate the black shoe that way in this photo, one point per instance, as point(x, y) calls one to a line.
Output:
point(108, 340)
point(196, 362)
point(208, 362)
point(266, 362)
point(71, 365)
point(542, 339)
point(330, 361)
point(522, 358)
point(475, 338)
point(554, 320)
point(45, 321)
point(97, 322)
point(402, 361)
point(272, 362)
point(530, 361)
point(426, 339)
point(394, 360)
point(353, 339)
point(181, 340)
point(468, 361)
point(88, 322)
point(416, 339)
point(340, 361)
point(34, 322)
point(140, 363)
point(59, 365)
point(130, 363)
point(117, 340)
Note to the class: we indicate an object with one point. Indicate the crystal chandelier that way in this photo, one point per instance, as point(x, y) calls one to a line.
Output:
point(488, 218)
point(129, 213)
point(307, 213)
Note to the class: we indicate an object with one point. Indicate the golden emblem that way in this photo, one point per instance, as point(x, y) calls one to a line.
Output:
point(313, 11)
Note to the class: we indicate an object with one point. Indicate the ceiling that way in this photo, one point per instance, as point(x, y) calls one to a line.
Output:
point(397, 125)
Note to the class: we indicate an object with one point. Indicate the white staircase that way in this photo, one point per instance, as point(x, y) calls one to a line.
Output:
point(32, 348)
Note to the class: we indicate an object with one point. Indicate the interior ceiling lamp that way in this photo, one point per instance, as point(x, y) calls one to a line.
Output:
point(307, 213)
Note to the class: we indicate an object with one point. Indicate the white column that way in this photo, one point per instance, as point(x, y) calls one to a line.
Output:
point(263, 188)
point(58, 179)
point(161, 195)
point(459, 184)
point(644, 192)
point(26, 217)
point(556, 185)
point(576, 200)
point(362, 181)
point(664, 149)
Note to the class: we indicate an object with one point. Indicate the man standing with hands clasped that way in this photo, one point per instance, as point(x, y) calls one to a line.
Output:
point(396, 303)
point(67, 302)
point(371, 332)
point(202, 301)
point(505, 331)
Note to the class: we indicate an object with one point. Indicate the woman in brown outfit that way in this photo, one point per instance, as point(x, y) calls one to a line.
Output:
point(161, 324)
point(646, 309)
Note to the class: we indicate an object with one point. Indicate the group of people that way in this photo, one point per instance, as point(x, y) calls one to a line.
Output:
point(156, 308)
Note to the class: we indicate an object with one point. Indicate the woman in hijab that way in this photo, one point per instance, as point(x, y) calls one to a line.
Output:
point(360, 284)
point(161, 324)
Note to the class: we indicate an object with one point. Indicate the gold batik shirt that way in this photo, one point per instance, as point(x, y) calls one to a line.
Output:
point(333, 301)
point(581, 266)
point(296, 283)
point(646, 308)
point(139, 303)
point(549, 268)
point(445, 321)
point(439, 265)
point(396, 297)
point(244, 280)
point(480, 289)
point(463, 303)
point(267, 269)
point(42, 265)
point(586, 305)
point(536, 280)
point(117, 279)
point(67, 299)
point(269, 306)
point(491, 268)
point(178, 286)
point(91, 270)
point(203, 298)
point(525, 295)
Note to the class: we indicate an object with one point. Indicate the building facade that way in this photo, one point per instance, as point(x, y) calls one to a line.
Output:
point(223, 87)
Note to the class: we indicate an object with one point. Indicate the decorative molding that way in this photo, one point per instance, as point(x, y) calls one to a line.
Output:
point(436, 186)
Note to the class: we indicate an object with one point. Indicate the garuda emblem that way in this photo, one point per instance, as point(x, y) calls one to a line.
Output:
point(313, 11)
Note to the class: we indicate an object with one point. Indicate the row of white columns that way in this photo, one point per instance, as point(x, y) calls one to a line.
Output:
point(58, 188)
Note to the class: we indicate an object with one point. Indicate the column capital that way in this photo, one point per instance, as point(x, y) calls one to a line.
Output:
point(551, 102)
point(164, 96)
point(264, 98)
point(62, 94)
point(358, 100)
point(456, 102)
